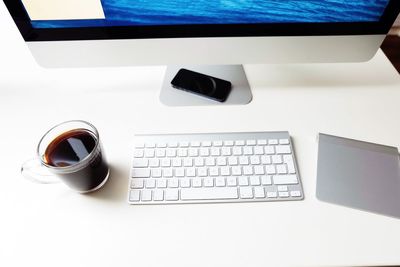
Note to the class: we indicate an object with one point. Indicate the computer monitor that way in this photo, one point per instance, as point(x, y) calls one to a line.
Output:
point(179, 32)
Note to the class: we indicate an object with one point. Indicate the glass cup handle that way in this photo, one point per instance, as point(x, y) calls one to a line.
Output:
point(34, 171)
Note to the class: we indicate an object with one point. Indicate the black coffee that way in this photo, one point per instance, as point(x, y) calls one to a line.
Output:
point(69, 149)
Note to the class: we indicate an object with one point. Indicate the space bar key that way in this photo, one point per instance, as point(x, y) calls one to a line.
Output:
point(209, 193)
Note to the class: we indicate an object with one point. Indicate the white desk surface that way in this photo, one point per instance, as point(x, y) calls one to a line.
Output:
point(49, 225)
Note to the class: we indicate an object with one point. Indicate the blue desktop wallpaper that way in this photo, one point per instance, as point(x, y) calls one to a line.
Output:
point(182, 12)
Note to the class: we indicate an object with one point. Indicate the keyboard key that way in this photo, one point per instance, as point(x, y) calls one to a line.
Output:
point(150, 183)
point(266, 180)
point(170, 152)
point(165, 162)
point(149, 153)
point(134, 195)
point(137, 183)
point(173, 144)
point(182, 152)
point(226, 151)
point(179, 172)
point(285, 179)
point(156, 173)
point(199, 162)
point(140, 173)
point(231, 181)
point(273, 142)
point(246, 192)
point(283, 149)
point(140, 163)
point(162, 183)
point(272, 194)
point(220, 181)
point(195, 143)
point(243, 181)
point(259, 150)
point(171, 194)
point(233, 161)
point(168, 172)
point(225, 171)
point(217, 143)
point(247, 150)
point(190, 172)
point(154, 163)
point(177, 162)
point(138, 153)
point(188, 162)
point(270, 169)
point(206, 143)
point(259, 192)
point(146, 195)
point(193, 152)
point(161, 144)
point(184, 182)
point(277, 159)
point(215, 151)
point(150, 144)
point(248, 170)
point(214, 171)
point(240, 143)
point(221, 161)
point(283, 194)
point(295, 193)
point(208, 182)
point(269, 150)
point(237, 151)
point(261, 142)
point(228, 143)
point(259, 170)
point(283, 141)
point(291, 168)
point(251, 142)
point(281, 169)
point(196, 182)
point(282, 188)
point(236, 170)
point(202, 171)
point(255, 180)
point(255, 160)
point(158, 195)
point(210, 161)
point(266, 159)
point(243, 160)
point(209, 193)
point(184, 144)
point(173, 183)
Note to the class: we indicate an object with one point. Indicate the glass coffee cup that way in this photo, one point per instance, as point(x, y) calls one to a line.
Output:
point(72, 152)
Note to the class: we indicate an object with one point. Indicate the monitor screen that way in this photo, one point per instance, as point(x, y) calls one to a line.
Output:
point(225, 12)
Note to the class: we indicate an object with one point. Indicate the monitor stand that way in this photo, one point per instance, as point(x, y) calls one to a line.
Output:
point(240, 94)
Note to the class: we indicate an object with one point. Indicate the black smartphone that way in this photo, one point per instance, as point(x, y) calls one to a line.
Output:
point(201, 84)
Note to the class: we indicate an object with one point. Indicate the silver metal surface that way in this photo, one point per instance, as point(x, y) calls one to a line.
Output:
point(203, 51)
point(359, 175)
point(177, 139)
point(239, 95)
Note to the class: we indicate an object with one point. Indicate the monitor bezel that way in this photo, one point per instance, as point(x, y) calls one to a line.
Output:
point(31, 34)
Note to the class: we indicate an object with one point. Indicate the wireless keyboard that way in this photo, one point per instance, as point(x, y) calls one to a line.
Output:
point(218, 167)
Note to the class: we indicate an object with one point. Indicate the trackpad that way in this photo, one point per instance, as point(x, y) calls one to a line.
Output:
point(358, 174)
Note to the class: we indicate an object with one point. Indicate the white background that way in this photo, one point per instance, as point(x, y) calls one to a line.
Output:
point(49, 225)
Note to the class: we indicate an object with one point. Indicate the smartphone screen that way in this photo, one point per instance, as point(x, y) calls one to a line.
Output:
point(201, 84)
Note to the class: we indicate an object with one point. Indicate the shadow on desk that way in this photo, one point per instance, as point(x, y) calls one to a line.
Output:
point(116, 187)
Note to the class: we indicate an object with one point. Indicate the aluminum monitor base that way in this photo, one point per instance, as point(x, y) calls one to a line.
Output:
point(240, 94)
